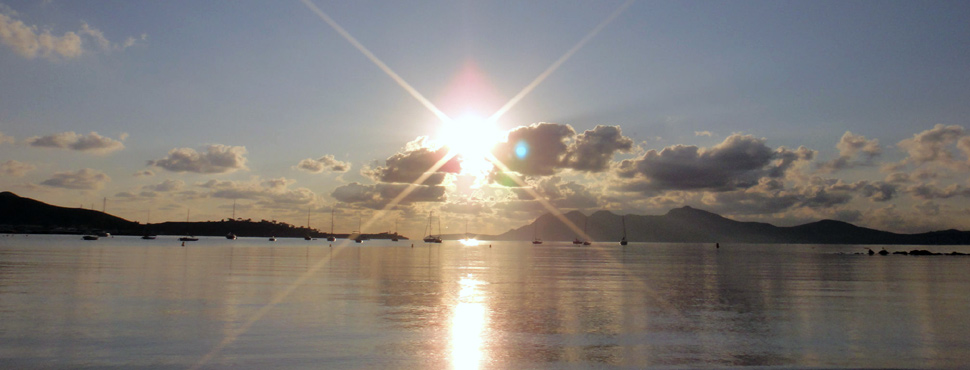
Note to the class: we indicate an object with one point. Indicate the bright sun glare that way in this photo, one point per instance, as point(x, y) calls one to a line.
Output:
point(471, 138)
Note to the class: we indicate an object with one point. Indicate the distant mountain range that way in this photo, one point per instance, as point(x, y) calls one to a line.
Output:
point(691, 225)
point(679, 225)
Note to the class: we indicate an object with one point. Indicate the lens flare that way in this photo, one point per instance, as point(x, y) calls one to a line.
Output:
point(471, 138)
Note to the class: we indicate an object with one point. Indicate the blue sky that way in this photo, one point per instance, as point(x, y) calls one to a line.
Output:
point(731, 90)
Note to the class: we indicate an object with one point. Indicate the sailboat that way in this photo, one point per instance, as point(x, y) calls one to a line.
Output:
point(438, 238)
point(148, 235)
point(468, 240)
point(585, 223)
point(230, 235)
point(360, 233)
point(623, 241)
point(535, 233)
point(395, 238)
point(307, 236)
point(189, 238)
point(331, 238)
point(431, 238)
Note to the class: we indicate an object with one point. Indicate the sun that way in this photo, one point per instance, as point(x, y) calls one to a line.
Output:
point(471, 138)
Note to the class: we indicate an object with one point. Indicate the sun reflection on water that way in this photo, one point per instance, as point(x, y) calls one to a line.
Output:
point(468, 326)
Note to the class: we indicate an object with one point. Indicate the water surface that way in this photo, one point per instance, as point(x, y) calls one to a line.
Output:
point(250, 303)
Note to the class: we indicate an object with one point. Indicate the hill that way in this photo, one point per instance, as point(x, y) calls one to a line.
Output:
point(25, 215)
point(691, 225)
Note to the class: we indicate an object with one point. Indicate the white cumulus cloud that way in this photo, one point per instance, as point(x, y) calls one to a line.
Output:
point(30, 41)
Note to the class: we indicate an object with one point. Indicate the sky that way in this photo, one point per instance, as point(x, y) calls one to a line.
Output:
point(489, 113)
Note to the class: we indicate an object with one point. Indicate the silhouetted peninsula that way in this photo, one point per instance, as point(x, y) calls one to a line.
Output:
point(25, 215)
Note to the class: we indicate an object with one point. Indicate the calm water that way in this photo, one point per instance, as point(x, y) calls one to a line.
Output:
point(131, 303)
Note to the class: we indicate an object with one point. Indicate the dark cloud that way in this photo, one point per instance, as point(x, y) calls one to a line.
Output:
point(878, 191)
point(325, 163)
point(593, 150)
point(929, 191)
point(408, 166)
point(738, 162)
point(216, 159)
point(85, 178)
point(91, 142)
point(535, 150)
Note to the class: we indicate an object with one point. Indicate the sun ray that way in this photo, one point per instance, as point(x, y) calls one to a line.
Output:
point(229, 339)
point(373, 58)
point(555, 65)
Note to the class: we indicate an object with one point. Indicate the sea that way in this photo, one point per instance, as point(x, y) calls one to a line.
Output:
point(250, 303)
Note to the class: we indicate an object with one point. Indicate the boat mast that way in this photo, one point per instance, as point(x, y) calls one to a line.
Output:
point(233, 209)
point(331, 221)
point(623, 218)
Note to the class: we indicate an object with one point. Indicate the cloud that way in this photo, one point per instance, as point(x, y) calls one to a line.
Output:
point(408, 166)
point(703, 133)
point(216, 159)
point(535, 150)
point(379, 195)
point(6, 139)
point(931, 145)
point(740, 161)
point(15, 168)
point(593, 150)
point(272, 192)
point(325, 163)
point(165, 186)
point(30, 42)
point(144, 173)
point(84, 178)
point(562, 195)
point(851, 146)
point(466, 207)
point(929, 191)
point(70, 140)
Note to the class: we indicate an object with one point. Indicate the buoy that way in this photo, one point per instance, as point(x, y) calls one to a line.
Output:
point(489, 245)
point(183, 244)
point(717, 245)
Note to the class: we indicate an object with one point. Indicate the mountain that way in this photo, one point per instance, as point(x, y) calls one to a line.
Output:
point(25, 215)
point(31, 215)
point(691, 225)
